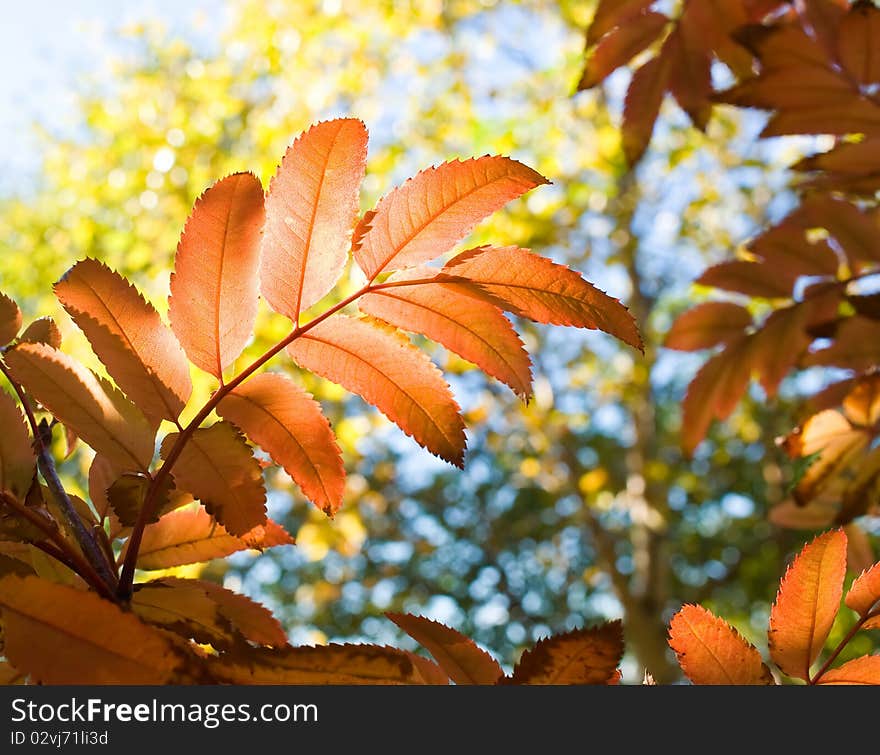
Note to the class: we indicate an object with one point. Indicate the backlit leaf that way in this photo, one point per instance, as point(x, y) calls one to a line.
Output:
point(191, 535)
point(619, 46)
point(836, 442)
point(642, 105)
point(311, 208)
point(864, 670)
point(611, 13)
point(218, 467)
point(458, 655)
point(215, 284)
point(806, 604)
point(857, 42)
point(707, 325)
point(95, 410)
point(757, 279)
point(865, 591)
point(710, 651)
point(474, 329)
point(10, 319)
point(583, 656)
point(42, 330)
point(63, 635)
point(17, 461)
point(288, 423)
point(328, 664)
point(715, 391)
point(250, 619)
point(426, 216)
point(386, 370)
point(536, 288)
point(862, 404)
point(127, 334)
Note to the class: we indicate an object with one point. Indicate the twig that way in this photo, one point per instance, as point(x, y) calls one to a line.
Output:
point(72, 558)
point(147, 511)
point(42, 440)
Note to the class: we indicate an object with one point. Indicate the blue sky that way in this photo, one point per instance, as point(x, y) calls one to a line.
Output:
point(47, 45)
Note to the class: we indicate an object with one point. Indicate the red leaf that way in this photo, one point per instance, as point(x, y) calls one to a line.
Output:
point(90, 406)
point(715, 391)
point(215, 283)
point(755, 279)
point(386, 370)
point(10, 319)
point(707, 325)
point(457, 655)
point(288, 423)
point(125, 331)
point(426, 216)
point(857, 42)
point(584, 656)
point(807, 603)
point(536, 288)
point(611, 13)
point(710, 651)
point(865, 591)
point(619, 46)
point(475, 330)
point(311, 207)
point(642, 105)
point(690, 79)
point(218, 467)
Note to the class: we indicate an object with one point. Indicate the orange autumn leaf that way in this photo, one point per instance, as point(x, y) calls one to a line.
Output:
point(476, 330)
point(284, 420)
point(191, 535)
point(539, 289)
point(250, 619)
point(864, 670)
point(215, 283)
point(62, 635)
point(381, 366)
point(206, 612)
point(17, 461)
point(458, 656)
point(42, 330)
point(127, 334)
point(710, 651)
point(10, 319)
point(218, 467)
point(582, 656)
point(707, 325)
point(836, 442)
point(311, 209)
point(865, 591)
point(327, 664)
point(95, 410)
point(807, 603)
point(426, 216)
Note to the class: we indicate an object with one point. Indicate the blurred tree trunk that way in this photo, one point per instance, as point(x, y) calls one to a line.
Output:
point(644, 593)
